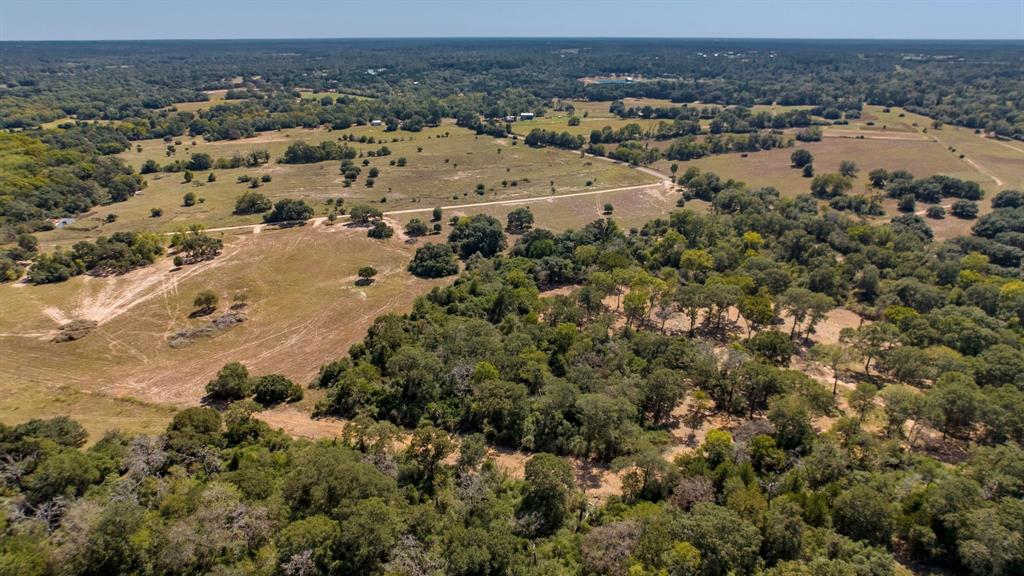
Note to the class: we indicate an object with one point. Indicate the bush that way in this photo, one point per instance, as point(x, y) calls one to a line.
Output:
point(434, 261)
point(416, 228)
point(936, 212)
point(205, 301)
point(156, 212)
point(252, 203)
point(189, 199)
point(380, 231)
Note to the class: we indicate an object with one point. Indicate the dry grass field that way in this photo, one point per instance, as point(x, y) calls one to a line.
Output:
point(303, 309)
point(441, 170)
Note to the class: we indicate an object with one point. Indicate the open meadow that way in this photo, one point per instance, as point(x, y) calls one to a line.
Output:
point(444, 166)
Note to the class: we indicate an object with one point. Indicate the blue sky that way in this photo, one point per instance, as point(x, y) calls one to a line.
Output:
point(161, 19)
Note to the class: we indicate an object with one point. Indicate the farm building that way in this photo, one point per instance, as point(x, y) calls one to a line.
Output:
point(526, 115)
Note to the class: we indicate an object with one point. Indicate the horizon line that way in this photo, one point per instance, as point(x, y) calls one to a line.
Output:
point(648, 38)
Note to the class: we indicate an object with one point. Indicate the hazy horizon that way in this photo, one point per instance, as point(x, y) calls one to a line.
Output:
point(937, 20)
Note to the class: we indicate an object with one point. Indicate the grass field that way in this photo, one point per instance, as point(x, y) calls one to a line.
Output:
point(304, 309)
point(446, 171)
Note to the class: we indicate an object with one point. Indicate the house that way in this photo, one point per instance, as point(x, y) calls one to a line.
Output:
point(510, 118)
point(62, 222)
point(375, 122)
point(526, 115)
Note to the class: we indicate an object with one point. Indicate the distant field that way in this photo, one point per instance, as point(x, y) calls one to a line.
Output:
point(427, 180)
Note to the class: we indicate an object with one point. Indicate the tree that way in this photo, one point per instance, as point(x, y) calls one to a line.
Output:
point(862, 399)
point(366, 274)
point(231, 383)
point(863, 513)
point(380, 230)
point(289, 210)
point(662, 391)
point(519, 220)
point(435, 215)
point(477, 233)
point(805, 305)
point(800, 158)
point(848, 168)
point(550, 488)
point(808, 170)
point(252, 203)
point(274, 389)
point(964, 209)
point(434, 261)
point(189, 199)
point(205, 302)
point(428, 448)
point(870, 340)
point(363, 215)
point(833, 356)
point(188, 176)
point(416, 228)
point(827, 186)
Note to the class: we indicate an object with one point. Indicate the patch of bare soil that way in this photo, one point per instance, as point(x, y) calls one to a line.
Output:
point(298, 423)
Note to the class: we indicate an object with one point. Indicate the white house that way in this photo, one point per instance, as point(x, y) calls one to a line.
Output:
point(375, 122)
point(526, 115)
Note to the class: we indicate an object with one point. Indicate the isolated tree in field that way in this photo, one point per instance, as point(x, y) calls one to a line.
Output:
point(808, 170)
point(608, 209)
point(800, 158)
point(189, 199)
point(832, 356)
point(519, 220)
point(187, 176)
point(289, 210)
point(211, 177)
point(205, 302)
point(366, 274)
point(231, 383)
point(416, 228)
point(848, 168)
point(362, 214)
point(252, 203)
point(435, 215)
point(434, 261)
point(478, 233)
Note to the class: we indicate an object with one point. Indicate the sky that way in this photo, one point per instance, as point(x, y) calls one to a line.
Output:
point(190, 19)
